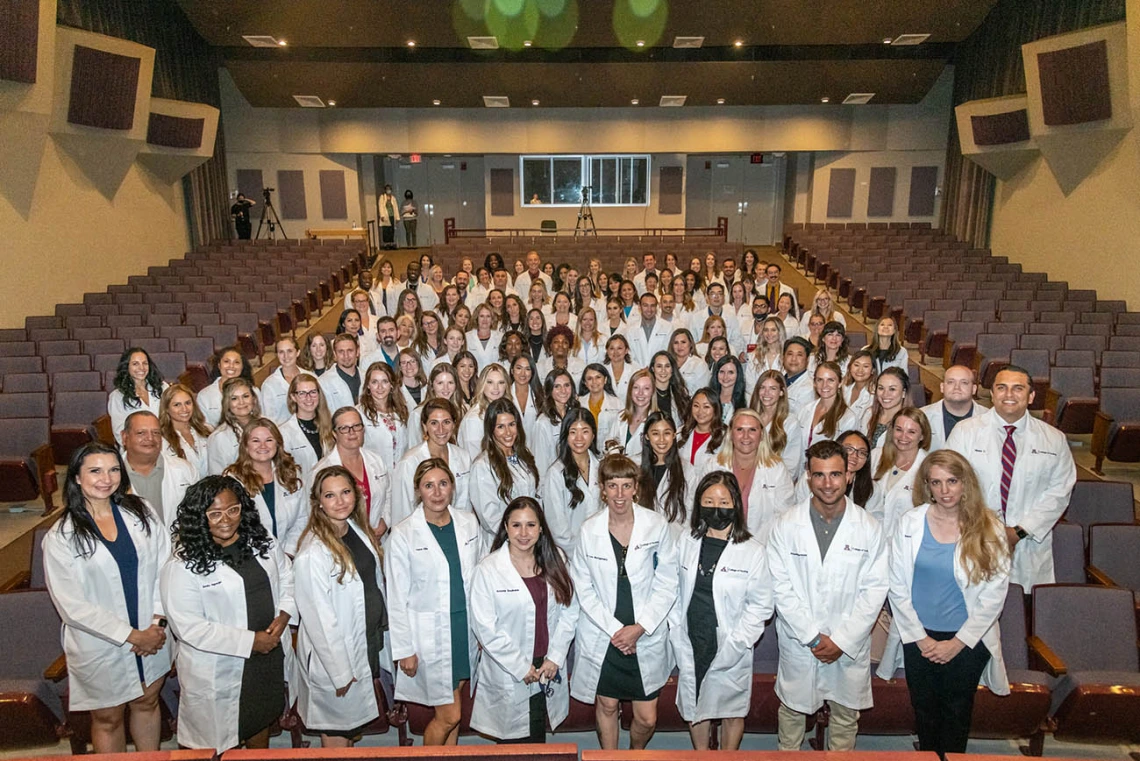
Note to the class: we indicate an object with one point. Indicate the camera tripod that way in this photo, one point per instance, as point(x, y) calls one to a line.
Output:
point(585, 224)
point(269, 219)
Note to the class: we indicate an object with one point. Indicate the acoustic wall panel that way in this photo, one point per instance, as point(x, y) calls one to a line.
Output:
point(103, 89)
point(1074, 84)
point(249, 183)
point(994, 134)
point(841, 193)
point(1001, 129)
point(670, 189)
point(174, 131)
point(291, 192)
point(923, 185)
point(334, 202)
point(881, 192)
point(19, 40)
point(179, 137)
point(502, 192)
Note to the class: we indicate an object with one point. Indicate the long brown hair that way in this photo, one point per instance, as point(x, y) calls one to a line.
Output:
point(890, 451)
point(166, 425)
point(305, 357)
point(777, 433)
point(876, 408)
point(548, 560)
point(982, 542)
point(321, 527)
point(228, 389)
point(839, 406)
point(285, 469)
point(396, 404)
point(495, 456)
point(323, 419)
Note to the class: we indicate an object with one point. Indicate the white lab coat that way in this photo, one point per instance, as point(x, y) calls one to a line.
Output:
point(383, 201)
point(933, 414)
point(297, 444)
point(565, 522)
point(695, 463)
point(591, 352)
point(901, 360)
point(332, 645)
point(620, 432)
point(484, 355)
point(840, 596)
point(621, 385)
point(574, 365)
point(197, 454)
point(207, 614)
point(801, 392)
point(403, 486)
point(470, 435)
point(379, 438)
point(88, 595)
point(275, 397)
point(742, 596)
point(525, 280)
point(984, 604)
point(806, 435)
point(209, 400)
point(641, 349)
point(651, 564)
point(380, 484)
point(222, 449)
point(484, 493)
point(805, 318)
point(177, 476)
point(419, 603)
point(611, 408)
point(888, 505)
point(292, 511)
point(530, 414)
point(503, 620)
point(859, 406)
point(793, 453)
point(543, 443)
point(732, 327)
point(336, 391)
point(119, 411)
point(754, 368)
point(1043, 478)
point(772, 495)
point(695, 372)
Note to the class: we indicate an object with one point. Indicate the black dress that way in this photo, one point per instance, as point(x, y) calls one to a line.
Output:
point(375, 610)
point(621, 675)
point(702, 610)
point(263, 676)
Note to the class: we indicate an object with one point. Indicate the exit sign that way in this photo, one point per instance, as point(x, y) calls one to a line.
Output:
point(757, 158)
point(415, 158)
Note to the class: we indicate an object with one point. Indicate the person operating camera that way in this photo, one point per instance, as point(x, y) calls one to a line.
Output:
point(240, 213)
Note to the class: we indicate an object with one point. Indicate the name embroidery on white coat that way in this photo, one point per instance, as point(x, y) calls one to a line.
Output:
point(849, 548)
point(505, 591)
point(1042, 451)
point(727, 569)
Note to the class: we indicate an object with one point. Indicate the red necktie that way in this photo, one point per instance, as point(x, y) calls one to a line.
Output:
point(1008, 458)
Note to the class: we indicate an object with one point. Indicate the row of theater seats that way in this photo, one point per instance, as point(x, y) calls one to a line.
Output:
point(964, 306)
point(56, 371)
point(612, 251)
point(1078, 680)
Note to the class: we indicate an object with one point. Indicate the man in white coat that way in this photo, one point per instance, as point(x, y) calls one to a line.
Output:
point(341, 382)
point(533, 272)
point(1026, 471)
point(648, 334)
point(649, 264)
point(160, 479)
point(800, 388)
point(957, 404)
point(714, 295)
point(828, 562)
point(773, 289)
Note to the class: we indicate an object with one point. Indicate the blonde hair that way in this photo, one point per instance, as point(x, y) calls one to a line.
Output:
point(481, 402)
point(711, 319)
point(285, 469)
point(627, 414)
point(765, 456)
point(890, 451)
point(777, 433)
point(323, 418)
point(982, 543)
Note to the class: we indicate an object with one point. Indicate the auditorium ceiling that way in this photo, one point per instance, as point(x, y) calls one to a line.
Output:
point(584, 53)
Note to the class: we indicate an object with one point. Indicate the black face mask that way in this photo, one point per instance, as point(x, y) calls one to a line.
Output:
point(717, 518)
point(759, 315)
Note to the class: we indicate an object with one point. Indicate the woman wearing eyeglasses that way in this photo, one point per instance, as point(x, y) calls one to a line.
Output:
point(523, 614)
point(366, 467)
point(307, 434)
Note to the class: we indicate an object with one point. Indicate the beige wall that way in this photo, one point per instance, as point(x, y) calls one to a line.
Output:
point(311, 165)
point(862, 162)
point(1091, 237)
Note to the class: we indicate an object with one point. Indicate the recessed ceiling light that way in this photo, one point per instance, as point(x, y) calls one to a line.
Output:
point(634, 102)
point(534, 102)
point(332, 102)
point(720, 101)
point(282, 43)
point(886, 40)
point(825, 99)
point(526, 43)
point(641, 43)
point(738, 44)
point(411, 43)
point(435, 102)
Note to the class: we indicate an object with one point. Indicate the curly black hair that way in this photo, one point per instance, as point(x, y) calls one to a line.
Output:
point(190, 534)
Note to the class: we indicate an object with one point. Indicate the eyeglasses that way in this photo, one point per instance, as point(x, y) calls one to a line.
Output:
point(216, 516)
point(854, 452)
point(314, 392)
point(354, 428)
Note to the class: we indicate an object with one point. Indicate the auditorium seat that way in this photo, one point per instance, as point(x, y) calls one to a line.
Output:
point(1074, 358)
point(1068, 553)
point(1113, 549)
point(18, 349)
point(1096, 502)
point(1095, 344)
point(1116, 431)
point(73, 421)
point(27, 465)
point(961, 343)
point(88, 380)
point(1071, 399)
point(24, 383)
point(993, 352)
point(1120, 359)
point(29, 405)
point(1036, 361)
point(69, 363)
point(1120, 377)
point(1041, 341)
point(32, 708)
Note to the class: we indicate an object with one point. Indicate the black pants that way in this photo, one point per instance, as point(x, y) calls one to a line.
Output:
point(942, 695)
point(388, 236)
point(537, 716)
point(244, 229)
point(410, 233)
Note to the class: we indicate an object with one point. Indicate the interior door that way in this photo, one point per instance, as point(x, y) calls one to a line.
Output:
point(761, 201)
point(727, 197)
point(445, 194)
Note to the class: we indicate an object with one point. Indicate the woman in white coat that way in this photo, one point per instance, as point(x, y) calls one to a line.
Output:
point(437, 428)
point(504, 469)
point(442, 383)
point(483, 341)
point(625, 576)
point(619, 363)
point(523, 614)
point(138, 386)
point(525, 391)
point(385, 414)
point(725, 598)
point(702, 434)
point(372, 478)
point(340, 597)
point(231, 363)
point(275, 388)
point(663, 487)
point(827, 416)
point(949, 572)
point(770, 399)
point(894, 466)
point(570, 487)
point(492, 385)
point(596, 393)
point(627, 429)
point(693, 369)
point(558, 398)
point(273, 481)
point(240, 407)
point(184, 429)
point(308, 432)
point(430, 560)
point(228, 590)
point(101, 564)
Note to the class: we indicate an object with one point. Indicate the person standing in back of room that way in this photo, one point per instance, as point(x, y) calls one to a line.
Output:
point(240, 213)
point(388, 213)
point(408, 214)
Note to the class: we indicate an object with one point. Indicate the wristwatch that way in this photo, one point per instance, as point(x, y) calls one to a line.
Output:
point(1021, 533)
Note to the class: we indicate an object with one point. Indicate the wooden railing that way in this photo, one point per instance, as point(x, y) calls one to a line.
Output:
point(451, 231)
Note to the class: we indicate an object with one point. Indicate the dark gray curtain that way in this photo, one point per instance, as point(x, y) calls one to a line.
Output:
point(185, 68)
point(988, 64)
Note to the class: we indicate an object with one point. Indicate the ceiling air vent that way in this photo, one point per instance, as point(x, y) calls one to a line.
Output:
point(910, 39)
point(673, 101)
point(260, 40)
point(858, 98)
point(309, 101)
point(496, 101)
point(483, 43)
point(688, 42)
